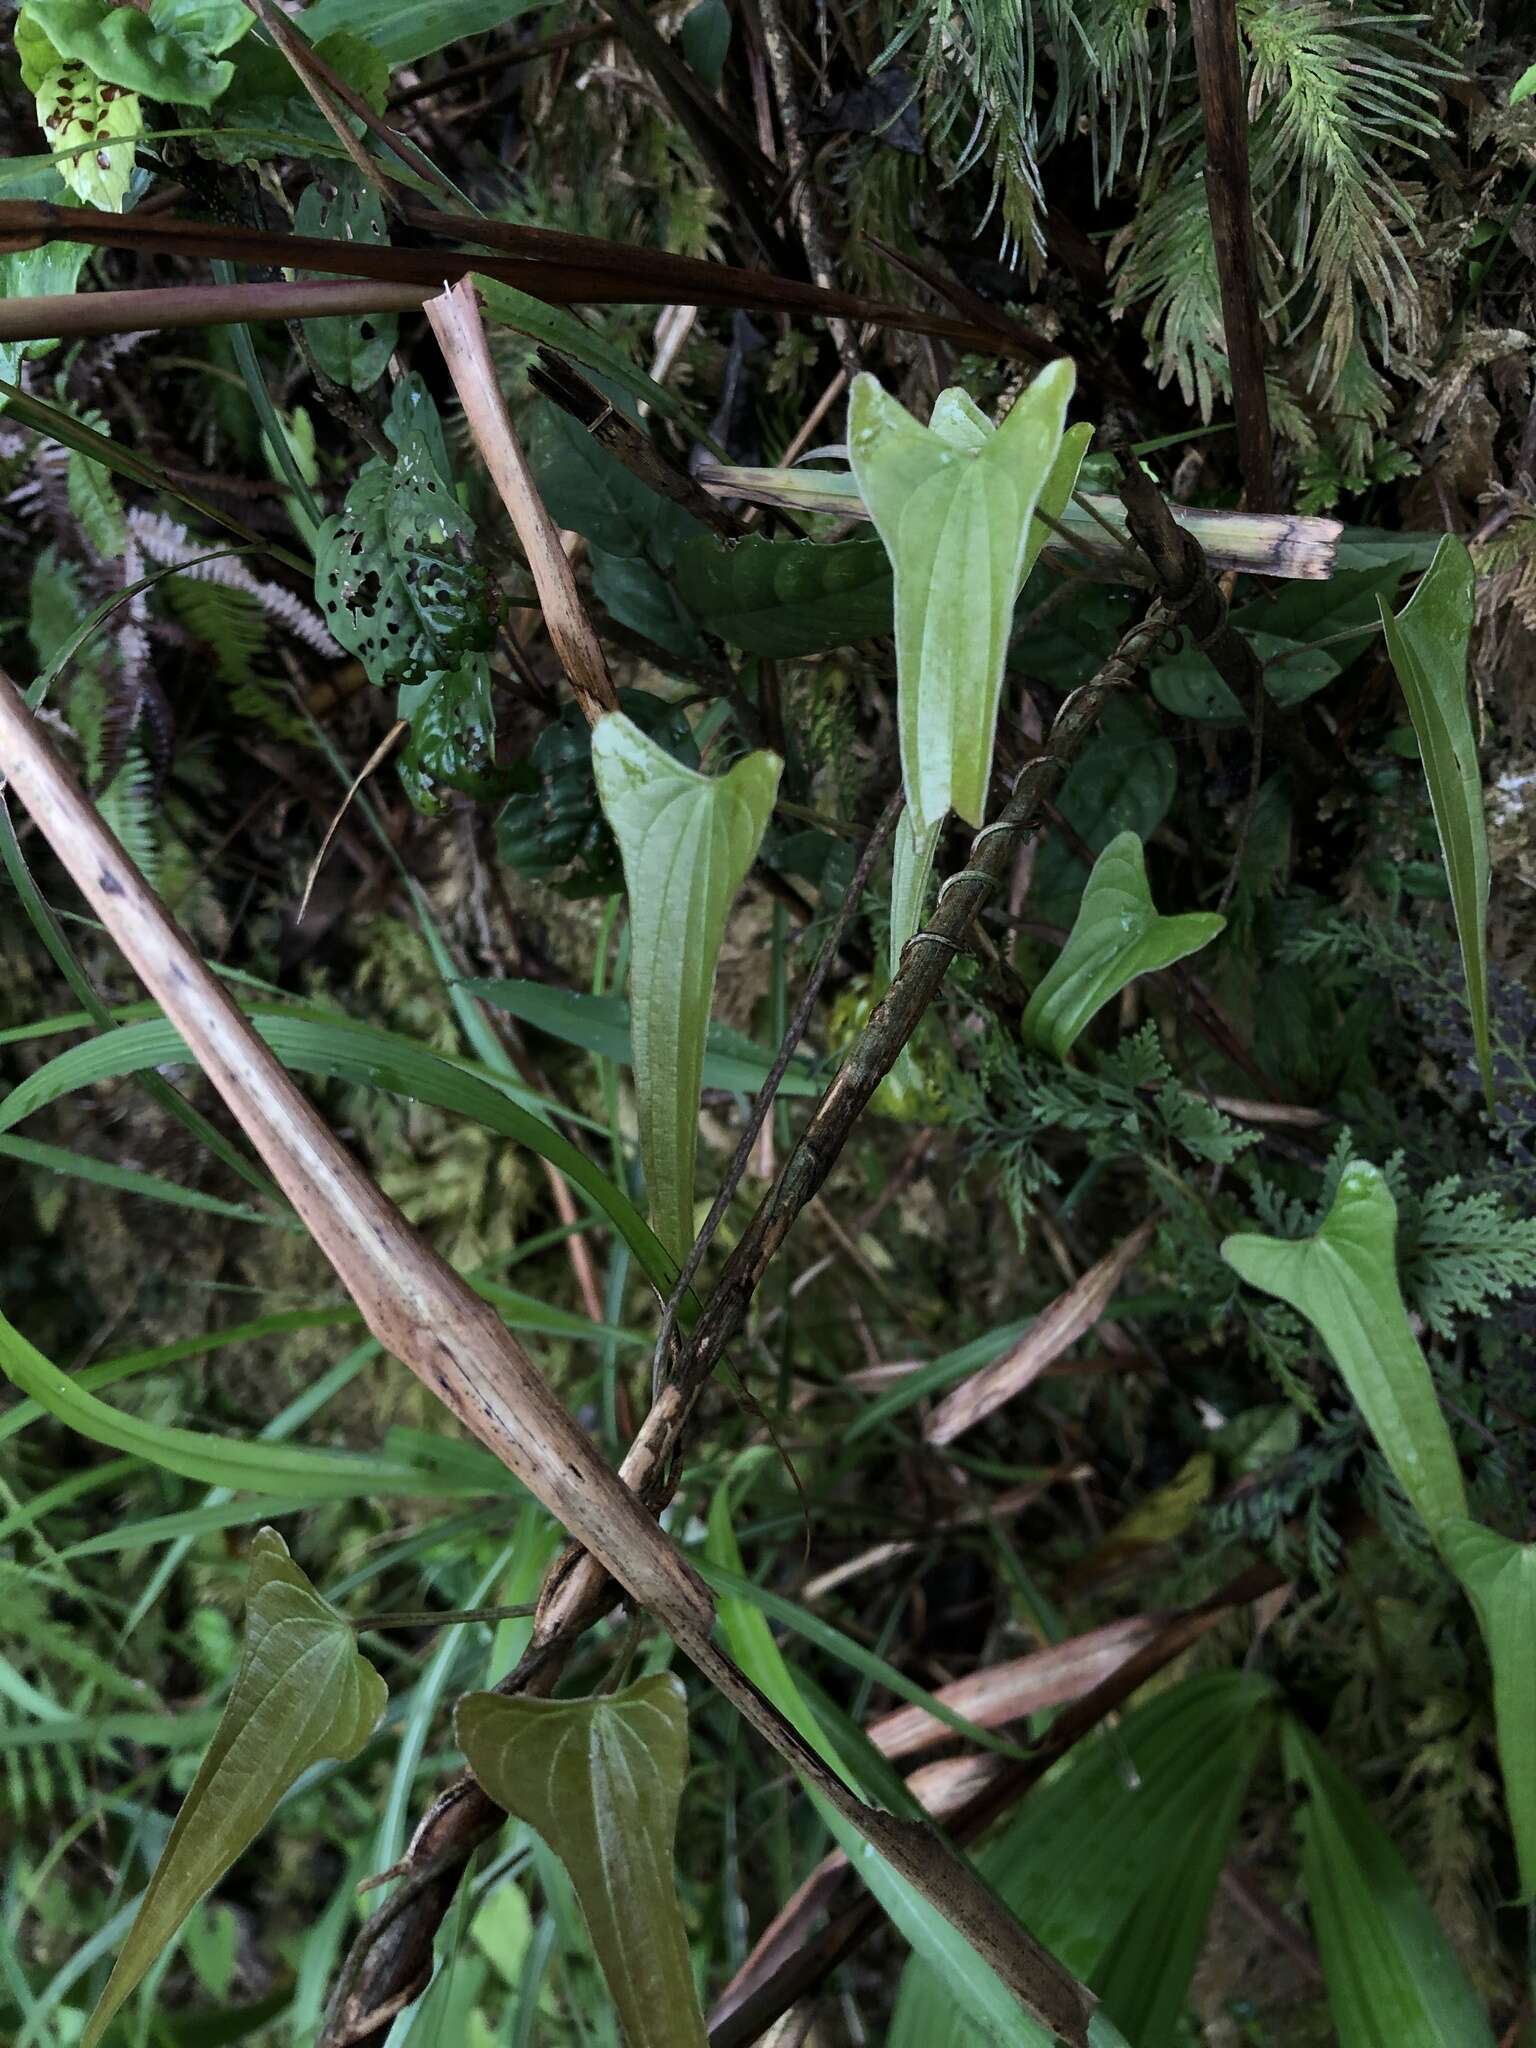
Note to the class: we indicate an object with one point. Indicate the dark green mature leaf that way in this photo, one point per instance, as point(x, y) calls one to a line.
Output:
point(302, 1693)
point(1428, 642)
point(1113, 1862)
point(1344, 1281)
point(1118, 935)
point(1393, 1978)
point(601, 1780)
point(588, 489)
point(687, 841)
point(1500, 1581)
point(390, 573)
point(1124, 781)
point(171, 53)
point(353, 351)
point(553, 820)
point(403, 30)
point(784, 598)
point(954, 503)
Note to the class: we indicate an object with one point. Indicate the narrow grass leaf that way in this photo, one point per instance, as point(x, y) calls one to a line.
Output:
point(1344, 1281)
point(1118, 935)
point(302, 1693)
point(953, 503)
point(1393, 1977)
point(1500, 1581)
point(284, 1471)
point(990, 2008)
point(1428, 642)
point(601, 1780)
point(687, 841)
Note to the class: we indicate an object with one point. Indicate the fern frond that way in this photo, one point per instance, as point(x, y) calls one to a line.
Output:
point(167, 542)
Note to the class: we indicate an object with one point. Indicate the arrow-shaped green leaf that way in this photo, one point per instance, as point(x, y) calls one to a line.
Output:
point(1500, 1581)
point(687, 841)
point(954, 503)
point(600, 1779)
point(1428, 643)
point(1344, 1281)
point(1393, 1977)
point(302, 1693)
point(1118, 935)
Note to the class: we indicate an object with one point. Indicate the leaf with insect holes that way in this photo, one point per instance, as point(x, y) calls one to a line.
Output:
point(1393, 1977)
point(353, 351)
point(1500, 1580)
point(172, 52)
point(1428, 642)
point(390, 568)
point(1119, 934)
point(601, 1780)
point(302, 1693)
point(73, 107)
point(687, 841)
point(954, 503)
point(453, 737)
point(1344, 1281)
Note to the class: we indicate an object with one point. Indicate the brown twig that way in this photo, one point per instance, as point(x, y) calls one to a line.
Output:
point(455, 318)
point(1230, 199)
point(802, 194)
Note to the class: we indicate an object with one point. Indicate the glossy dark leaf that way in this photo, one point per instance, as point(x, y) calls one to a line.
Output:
point(353, 351)
point(784, 598)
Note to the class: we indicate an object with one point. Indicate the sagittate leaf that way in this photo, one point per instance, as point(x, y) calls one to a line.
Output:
point(1344, 1281)
point(1393, 1978)
point(601, 1779)
point(687, 841)
point(953, 503)
point(784, 598)
point(158, 54)
point(353, 351)
point(1428, 643)
point(389, 572)
point(1500, 1580)
point(1119, 934)
point(302, 1693)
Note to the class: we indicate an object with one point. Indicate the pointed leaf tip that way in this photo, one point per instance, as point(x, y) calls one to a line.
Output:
point(1118, 935)
point(601, 1780)
point(302, 1693)
point(687, 841)
point(954, 503)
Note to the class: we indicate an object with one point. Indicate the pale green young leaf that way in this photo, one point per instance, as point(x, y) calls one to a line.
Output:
point(600, 1780)
point(1500, 1580)
point(954, 505)
point(1118, 935)
point(912, 855)
point(1344, 1281)
point(687, 841)
point(1428, 643)
point(73, 108)
point(302, 1693)
point(283, 1471)
point(1523, 86)
point(1393, 1978)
